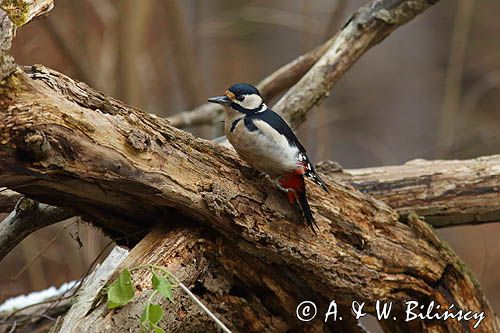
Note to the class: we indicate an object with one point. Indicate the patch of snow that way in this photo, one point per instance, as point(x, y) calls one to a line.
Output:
point(22, 301)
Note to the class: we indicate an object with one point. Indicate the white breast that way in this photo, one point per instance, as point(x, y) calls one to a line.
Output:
point(265, 149)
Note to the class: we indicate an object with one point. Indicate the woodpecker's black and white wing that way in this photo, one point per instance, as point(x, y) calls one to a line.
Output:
point(280, 125)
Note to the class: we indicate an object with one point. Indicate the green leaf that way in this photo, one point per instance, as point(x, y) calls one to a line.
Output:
point(152, 314)
point(163, 286)
point(121, 291)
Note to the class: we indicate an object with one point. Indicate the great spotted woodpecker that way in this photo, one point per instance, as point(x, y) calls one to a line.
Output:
point(266, 142)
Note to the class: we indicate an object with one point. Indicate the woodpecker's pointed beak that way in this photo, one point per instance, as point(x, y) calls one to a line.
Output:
point(224, 100)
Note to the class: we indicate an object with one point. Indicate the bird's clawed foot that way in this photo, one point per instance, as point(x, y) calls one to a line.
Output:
point(278, 185)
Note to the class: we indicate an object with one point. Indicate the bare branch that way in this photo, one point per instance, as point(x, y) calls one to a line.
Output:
point(445, 193)
point(367, 27)
point(27, 217)
point(270, 87)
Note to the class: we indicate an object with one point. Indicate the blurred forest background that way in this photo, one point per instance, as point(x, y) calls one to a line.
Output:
point(431, 90)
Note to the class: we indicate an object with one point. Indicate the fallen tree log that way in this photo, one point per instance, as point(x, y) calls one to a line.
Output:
point(256, 299)
point(444, 193)
point(66, 144)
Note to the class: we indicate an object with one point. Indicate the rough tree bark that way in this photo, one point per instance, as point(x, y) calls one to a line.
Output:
point(65, 144)
point(445, 193)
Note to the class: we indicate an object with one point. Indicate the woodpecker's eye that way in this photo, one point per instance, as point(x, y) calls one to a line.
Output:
point(241, 98)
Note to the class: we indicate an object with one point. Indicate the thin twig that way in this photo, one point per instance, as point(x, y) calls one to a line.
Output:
point(190, 294)
point(201, 305)
point(74, 290)
point(367, 27)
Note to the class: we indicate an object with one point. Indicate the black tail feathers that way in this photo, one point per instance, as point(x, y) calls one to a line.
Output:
point(312, 175)
point(306, 210)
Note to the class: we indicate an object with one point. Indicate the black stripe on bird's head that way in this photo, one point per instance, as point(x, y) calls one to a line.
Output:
point(241, 97)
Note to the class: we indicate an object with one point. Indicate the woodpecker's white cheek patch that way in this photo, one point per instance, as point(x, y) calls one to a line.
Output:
point(250, 102)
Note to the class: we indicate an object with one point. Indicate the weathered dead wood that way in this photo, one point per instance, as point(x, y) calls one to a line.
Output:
point(28, 217)
point(188, 255)
point(8, 200)
point(445, 193)
point(76, 147)
point(90, 288)
point(257, 298)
